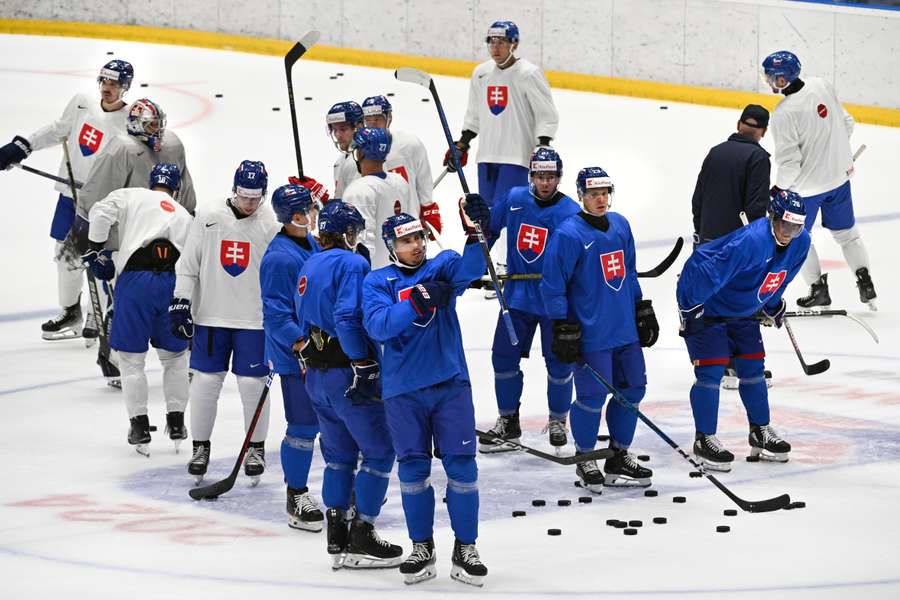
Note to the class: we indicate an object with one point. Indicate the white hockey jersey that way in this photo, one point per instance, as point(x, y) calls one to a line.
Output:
point(376, 199)
point(345, 173)
point(409, 159)
point(811, 131)
point(89, 129)
point(509, 109)
point(142, 216)
point(219, 268)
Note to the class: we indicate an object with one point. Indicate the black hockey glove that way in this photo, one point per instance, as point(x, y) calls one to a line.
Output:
point(476, 212)
point(365, 386)
point(772, 317)
point(99, 261)
point(566, 341)
point(14, 152)
point(647, 326)
point(364, 252)
point(180, 318)
point(429, 295)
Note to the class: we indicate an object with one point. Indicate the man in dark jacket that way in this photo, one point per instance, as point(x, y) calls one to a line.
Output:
point(734, 179)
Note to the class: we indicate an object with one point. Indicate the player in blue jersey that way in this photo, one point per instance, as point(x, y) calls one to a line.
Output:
point(726, 287)
point(530, 214)
point(343, 380)
point(410, 307)
point(279, 275)
point(592, 294)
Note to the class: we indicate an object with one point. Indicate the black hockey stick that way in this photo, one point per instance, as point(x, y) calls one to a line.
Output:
point(78, 184)
point(666, 262)
point(293, 55)
point(818, 312)
point(769, 505)
point(209, 492)
point(423, 79)
point(813, 369)
point(601, 454)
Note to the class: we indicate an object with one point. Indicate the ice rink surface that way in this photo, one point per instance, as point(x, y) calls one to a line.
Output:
point(83, 516)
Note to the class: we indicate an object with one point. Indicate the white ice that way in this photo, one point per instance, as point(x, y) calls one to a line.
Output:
point(83, 516)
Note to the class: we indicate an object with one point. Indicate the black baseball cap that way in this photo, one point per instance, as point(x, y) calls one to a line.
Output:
point(757, 113)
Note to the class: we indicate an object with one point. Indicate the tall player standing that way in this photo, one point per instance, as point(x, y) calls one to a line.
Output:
point(342, 121)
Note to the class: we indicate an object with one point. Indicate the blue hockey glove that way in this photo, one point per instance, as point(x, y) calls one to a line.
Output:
point(99, 261)
point(428, 295)
point(647, 326)
point(365, 388)
point(773, 317)
point(566, 344)
point(14, 152)
point(180, 318)
point(691, 320)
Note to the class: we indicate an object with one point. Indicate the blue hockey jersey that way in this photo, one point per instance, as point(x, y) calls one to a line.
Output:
point(279, 278)
point(589, 276)
point(419, 351)
point(735, 275)
point(529, 226)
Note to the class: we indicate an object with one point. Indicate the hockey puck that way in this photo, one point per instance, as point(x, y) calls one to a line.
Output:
point(651, 493)
point(730, 512)
point(660, 520)
point(578, 484)
point(538, 503)
point(630, 531)
point(564, 502)
point(752, 459)
point(153, 428)
point(339, 74)
point(643, 457)
point(333, 77)
point(635, 523)
point(144, 84)
point(307, 98)
point(696, 474)
point(612, 522)
point(602, 438)
point(585, 499)
point(620, 525)
point(554, 532)
point(426, 100)
point(722, 528)
point(390, 94)
point(276, 108)
point(110, 53)
point(663, 108)
point(679, 499)
point(218, 95)
point(518, 513)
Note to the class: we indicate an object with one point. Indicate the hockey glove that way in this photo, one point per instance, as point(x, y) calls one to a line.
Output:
point(475, 212)
point(427, 296)
point(773, 317)
point(318, 191)
point(544, 141)
point(99, 261)
point(691, 320)
point(647, 326)
point(431, 214)
point(566, 344)
point(364, 387)
point(14, 152)
point(180, 318)
point(462, 152)
point(364, 252)
point(299, 350)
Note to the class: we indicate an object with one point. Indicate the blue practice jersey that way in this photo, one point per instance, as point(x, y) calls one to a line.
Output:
point(735, 275)
point(419, 351)
point(529, 226)
point(330, 289)
point(589, 276)
point(279, 280)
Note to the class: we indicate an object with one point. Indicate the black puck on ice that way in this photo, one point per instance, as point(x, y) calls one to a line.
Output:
point(307, 98)
point(696, 474)
point(390, 94)
point(602, 438)
point(518, 513)
point(612, 522)
point(538, 503)
point(643, 457)
point(339, 74)
point(635, 523)
point(660, 520)
point(722, 528)
point(620, 525)
point(663, 107)
point(730, 512)
point(426, 100)
point(564, 502)
point(110, 53)
point(679, 499)
point(752, 459)
point(218, 95)
point(276, 108)
point(144, 84)
point(585, 499)
point(333, 77)
point(651, 493)
point(630, 531)
point(554, 532)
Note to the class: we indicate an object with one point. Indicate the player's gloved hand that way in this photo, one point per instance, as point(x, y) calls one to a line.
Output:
point(364, 387)
point(774, 190)
point(773, 316)
point(428, 295)
point(318, 191)
point(99, 261)
point(462, 149)
point(647, 326)
point(299, 350)
point(544, 141)
point(431, 214)
point(180, 319)
point(691, 320)
point(566, 344)
point(473, 210)
point(364, 252)
point(14, 152)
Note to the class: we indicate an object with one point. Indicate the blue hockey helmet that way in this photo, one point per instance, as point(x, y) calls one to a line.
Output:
point(787, 212)
point(344, 112)
point(340, 218)
point(167, 175)
point(290, 199)
point(781, 64)
point(545, 160)
point(374, 143)
point(400, 226)
point(119, 71)
point(251, 179)
point(377, 106)
point(503, 29)
point(593, 177)
point(146, 121)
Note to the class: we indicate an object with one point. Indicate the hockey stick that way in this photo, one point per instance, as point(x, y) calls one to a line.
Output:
point(423, 79)
point(666, 262)
point(813, 369)
point(209, 492)
point(601, 454)
point(768, 505)
point(78, 184)
point(293, 55)
point(817, 312)
point(435, 235)
point(440, 177)
point(859, 151)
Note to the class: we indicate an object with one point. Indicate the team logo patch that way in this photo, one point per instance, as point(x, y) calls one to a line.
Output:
point(613, 269)
point(234, 256)
point(422, 321)
point(770, 285)
point(497, 98)
point(401, 171)
point(531, 241)
point(301, 285)
point(822, 110)
point(167, 206)
point(89, 139)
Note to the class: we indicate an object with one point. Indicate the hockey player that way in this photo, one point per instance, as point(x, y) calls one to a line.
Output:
point(410, 307)
point(217, 304)
point(408, 158)
point(725, 288)
point(530, 215)
point(88, 126)
point(342, 121)
point(343, 380)
point(377, 195)
point(812, 132)
point(592, 294)
point(152, 233)
point(279, 274)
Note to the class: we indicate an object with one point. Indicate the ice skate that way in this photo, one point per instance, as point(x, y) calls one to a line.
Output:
point(366, 550)
point(64, 326)
point(506, 428)
point(338, 536)
point(139, 434)
point(558, 434)
point(590, 476)
point(867, 293)
point(199, 461)
point(710, 452)
point(467, 566)
point(255, 462)
point(768, 445)
point(730, 380)
point(818, 294)
point(90, 332)
point(419, 565)
point(623, 471)
point(175, 428)
point(303, 512)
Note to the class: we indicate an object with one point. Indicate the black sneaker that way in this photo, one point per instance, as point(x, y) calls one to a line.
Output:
point(818, 294)
point(866, 288)
point(368, 551)
point(64, 326)
point(139, 434)
point(303, 511)
point(419, 565)
point(623, 471)
point(590, 476)
point(338, 536)
point(768, 445)
point(199, 460)
point(712, 453)
point(506, 428)
point(255, 462)
point(467, 565)
point(556, 428)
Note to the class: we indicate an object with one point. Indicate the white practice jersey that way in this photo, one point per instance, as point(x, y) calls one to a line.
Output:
point(509, 109)
point(89, 129)
point(812, 131)
point(376, 199)
point(345, 173)
point(219, 268)
point(409, 159)
point(142, 216)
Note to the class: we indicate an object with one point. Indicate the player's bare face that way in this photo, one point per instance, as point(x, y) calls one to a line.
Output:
point(499, 48)
point(410, 249)
point(376, 121)
point(545, 184)
point(246, 205)
point(784, 232)
point(343, 134)
point(596, 201)
point(110, 91)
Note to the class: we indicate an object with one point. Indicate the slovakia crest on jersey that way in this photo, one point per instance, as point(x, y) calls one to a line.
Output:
point(497, 98)
point(770, 285)
point(234, 256)
point(422, 321)
point(89, 139)
point(613, 269)
point(531, 241)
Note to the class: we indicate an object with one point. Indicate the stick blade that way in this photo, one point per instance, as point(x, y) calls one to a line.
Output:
point(411, 75)
point(209, 492)
point(816, 368)
point(772, 504)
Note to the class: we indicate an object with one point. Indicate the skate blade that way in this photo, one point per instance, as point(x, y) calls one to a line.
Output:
point(364, 561)
point(114, 382)
point(198, 479)
point(177, 444)
point(872, 306)
point(720, 467)
point(55, 336)
point(459, 574)
point(254, 480)
point(313, 526)
point(595, 488)
point(624, 482)
point(142, 449)
point(495, 448)
point(337, 561)
point(429, 572)
point(765, 455)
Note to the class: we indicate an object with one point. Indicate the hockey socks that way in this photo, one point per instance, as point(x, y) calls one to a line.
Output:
point(371, 486)
point(508, 389)
point(462, 496)
point(705, 397)
point(559, 392)
point(752, 388)
point(296, 454)
point(585, 422)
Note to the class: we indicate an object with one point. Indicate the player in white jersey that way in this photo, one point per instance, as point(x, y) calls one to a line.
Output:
point(217, 303)
point(812, 151)
point(342, 121)
point(408, 158)
point(152, 232)
point(88, 126)
point(377, 195)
